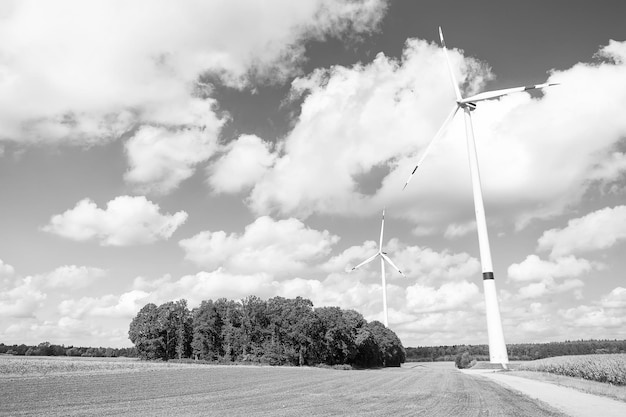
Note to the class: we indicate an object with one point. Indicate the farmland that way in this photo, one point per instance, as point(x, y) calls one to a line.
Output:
point(601, 368)
point(159, 389)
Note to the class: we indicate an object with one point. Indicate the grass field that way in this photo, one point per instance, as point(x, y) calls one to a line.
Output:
point(60, 387)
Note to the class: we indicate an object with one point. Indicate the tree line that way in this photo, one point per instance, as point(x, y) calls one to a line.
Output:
point(517, 352)
point(278, 331)
point(47, 349)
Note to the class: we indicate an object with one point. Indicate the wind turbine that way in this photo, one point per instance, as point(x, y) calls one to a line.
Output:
point(497, 347)
point(383, 258)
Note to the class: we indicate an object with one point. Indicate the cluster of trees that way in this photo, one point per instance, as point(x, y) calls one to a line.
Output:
point(517, 352)
point(47, 349)
point(278, 331)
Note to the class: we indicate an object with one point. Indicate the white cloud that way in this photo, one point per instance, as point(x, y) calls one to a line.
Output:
point(126, 305)
point(86, 72)
point(591, 317)
point(432, 267)
point(534, 268)
point(598, 230)
point(125, 221)
point(449, 296)
point(615, 299)
point(6, 269)
point(160, 158)
point(22, 300)
point(267, 245)
point(455, 230)
point(245, 161)
point(70, 276)
point(382, 114)
point(548, 286)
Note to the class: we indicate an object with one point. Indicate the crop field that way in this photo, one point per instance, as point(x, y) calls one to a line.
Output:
point(609, 368)
point(132, 388)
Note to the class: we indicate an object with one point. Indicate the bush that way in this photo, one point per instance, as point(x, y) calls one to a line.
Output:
point(464, 360)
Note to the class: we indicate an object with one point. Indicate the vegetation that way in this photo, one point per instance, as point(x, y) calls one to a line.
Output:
point(464, 360)
point(517, 352)
point(601, 368)
point(278, 331)
point(47, 349)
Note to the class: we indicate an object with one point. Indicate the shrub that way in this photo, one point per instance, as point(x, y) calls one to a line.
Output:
point(464, 360)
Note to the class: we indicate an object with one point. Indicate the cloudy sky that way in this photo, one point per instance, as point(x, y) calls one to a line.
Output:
point(152, 151)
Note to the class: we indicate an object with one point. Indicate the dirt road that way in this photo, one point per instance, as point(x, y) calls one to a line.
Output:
point(572, 402)
point(413, 390)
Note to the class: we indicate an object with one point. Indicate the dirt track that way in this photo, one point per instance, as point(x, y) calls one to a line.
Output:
point(264, 391)
point(572, 402)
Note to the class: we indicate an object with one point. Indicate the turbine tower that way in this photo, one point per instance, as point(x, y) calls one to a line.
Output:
point(383, 258)
point(497, 347)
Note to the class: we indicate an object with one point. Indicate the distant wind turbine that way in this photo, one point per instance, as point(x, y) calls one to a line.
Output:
point(383, 258)
point(497, 347)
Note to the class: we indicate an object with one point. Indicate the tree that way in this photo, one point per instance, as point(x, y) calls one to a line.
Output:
point(144, 333)
point(338, 331)
point(391, 348)
point(207, 332)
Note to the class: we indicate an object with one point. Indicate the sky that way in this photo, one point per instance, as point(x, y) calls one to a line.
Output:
point(158, 150)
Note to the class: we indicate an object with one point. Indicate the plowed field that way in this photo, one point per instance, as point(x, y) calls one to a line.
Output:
point(432, 390)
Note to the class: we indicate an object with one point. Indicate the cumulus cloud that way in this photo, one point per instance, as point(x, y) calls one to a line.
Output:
point(244, 162)
point(22, 300)
point(266, 245)
point(70, 277)
point(22, 297)
point(125, 305)
point(161, 158)
point(384, 113)
point(534, 268)
point(125, 221)
point(449, 296)
point(6, 269)
point(87, 72)
point(455, 230)
point(598, 230)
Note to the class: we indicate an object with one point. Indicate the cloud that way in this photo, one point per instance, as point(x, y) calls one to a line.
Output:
point(449, 296)
point(160, 158)
point(379, 117)
point(534, 268)
point(70, 277)
point(126, 305)
point(244, 162)
point(85, 73)
point(6, 269)
point(22, 300)
point(601, 229)
point(125, 221)
point(458, 230)
point(267, 245)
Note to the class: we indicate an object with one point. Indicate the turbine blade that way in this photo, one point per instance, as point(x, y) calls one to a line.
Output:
point(368, 260)
point(382, 228)
point(386, 258)
point(489, 95)
point(445, 51)
point(439, 133)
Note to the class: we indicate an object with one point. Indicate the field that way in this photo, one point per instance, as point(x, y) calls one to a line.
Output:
point(609, 368)
point(62, 387)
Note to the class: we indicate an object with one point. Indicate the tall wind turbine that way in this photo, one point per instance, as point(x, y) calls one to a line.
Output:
point(383, 258)
point(497, 347)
